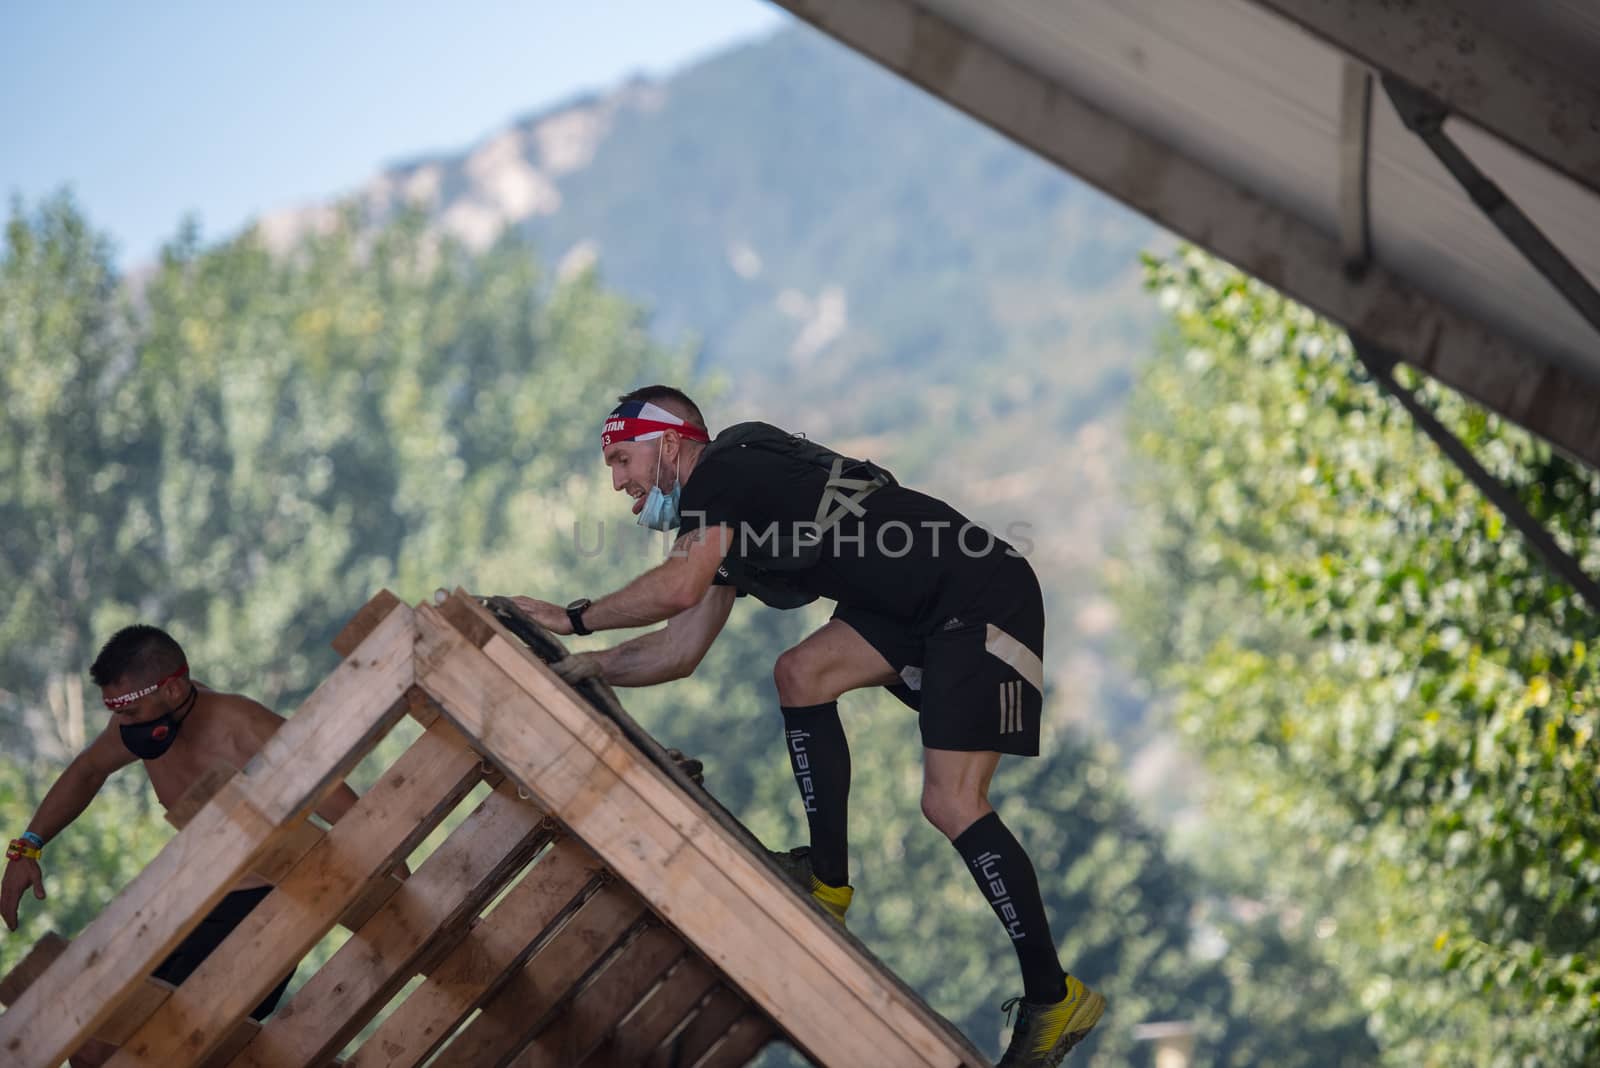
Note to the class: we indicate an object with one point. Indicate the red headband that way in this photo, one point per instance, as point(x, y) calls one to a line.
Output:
point(624, 428)
point(118, 703)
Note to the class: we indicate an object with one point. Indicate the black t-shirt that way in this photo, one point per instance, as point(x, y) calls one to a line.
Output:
point(910, 556)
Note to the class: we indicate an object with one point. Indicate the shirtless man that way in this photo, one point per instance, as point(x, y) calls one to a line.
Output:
point(179, 730)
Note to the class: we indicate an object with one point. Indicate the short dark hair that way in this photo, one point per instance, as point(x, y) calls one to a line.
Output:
point(139, 654)
point(657, 394)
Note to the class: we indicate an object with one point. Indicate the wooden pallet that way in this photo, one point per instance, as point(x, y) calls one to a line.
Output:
point(596, 908)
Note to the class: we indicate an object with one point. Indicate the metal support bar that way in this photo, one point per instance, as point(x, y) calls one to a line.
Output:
point(1355, 146)
point(1424, 116)
point(1380, 363)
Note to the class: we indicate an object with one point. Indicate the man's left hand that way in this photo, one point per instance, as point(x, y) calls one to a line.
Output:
point(552, 617)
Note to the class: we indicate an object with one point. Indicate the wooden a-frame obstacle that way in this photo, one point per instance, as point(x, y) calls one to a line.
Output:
point(597, 908)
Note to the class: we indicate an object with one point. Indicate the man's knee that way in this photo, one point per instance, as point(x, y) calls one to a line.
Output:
point(799, 680)
point(953, 811)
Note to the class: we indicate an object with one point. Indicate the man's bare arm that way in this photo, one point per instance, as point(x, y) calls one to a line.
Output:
point(70, 794)
point(674, 651)
point(64, 802)
point(664, 591)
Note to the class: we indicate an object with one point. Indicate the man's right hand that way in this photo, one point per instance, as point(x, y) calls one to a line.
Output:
point(20, 874)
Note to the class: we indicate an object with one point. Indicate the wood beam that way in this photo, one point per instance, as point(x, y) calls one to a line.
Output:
point(450, 886)
point(401, 808)
point(603, 1002)
point(658, 1014)
point(747, 1037)
point(524, 1005)
point(788, 957)
point(711, 1020)
point(147, 920)
point(482, 960)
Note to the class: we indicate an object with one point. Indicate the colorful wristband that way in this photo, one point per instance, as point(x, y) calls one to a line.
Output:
point(38, 843)
point(20, 849)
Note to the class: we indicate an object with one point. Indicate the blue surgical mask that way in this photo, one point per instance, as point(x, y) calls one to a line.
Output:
point(660, 511)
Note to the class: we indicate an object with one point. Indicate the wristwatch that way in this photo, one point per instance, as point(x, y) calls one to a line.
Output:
point(575, 612)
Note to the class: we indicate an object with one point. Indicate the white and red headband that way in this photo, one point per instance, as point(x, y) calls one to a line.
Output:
point(643, 421)
point(117, 704)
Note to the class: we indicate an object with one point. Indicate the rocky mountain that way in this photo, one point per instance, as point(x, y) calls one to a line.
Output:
point(857, 260)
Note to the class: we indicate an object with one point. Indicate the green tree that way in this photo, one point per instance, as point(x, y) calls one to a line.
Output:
point(376, 407)
point(72, 450)
point(257, 447)
point(1396, 701)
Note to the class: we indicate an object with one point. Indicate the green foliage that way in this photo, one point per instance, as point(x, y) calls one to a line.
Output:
point(72, 427)
point(1396, 700)
point(278, 436)
point(254, 450)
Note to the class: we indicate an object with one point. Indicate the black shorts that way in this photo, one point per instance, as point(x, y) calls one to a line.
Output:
point(976, 680)
point(218, 924)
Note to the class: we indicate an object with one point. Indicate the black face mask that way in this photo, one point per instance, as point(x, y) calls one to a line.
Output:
point(151, 739)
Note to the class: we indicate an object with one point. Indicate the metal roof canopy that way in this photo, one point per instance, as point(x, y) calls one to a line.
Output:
point(1260, 130)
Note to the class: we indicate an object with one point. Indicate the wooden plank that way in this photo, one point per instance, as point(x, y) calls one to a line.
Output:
point(421, 708)
point(452, 884)
point(469, 618)
point(489, 953)
point(127, 1016)
point(134, 1010)
point(739, 912)
point(378, 673)
point(747, 1037)
point(550, 752)
point(364, 622)
point(521, 1008)
point(726, 847)
point(756, 878)
point(657, 1015)
point(727, 844)
point(400, 809)
point(165, 901)
point(714, 1016)
point(275, 862)
point(199, 794)
point(239, 1037)
point(605, 1000)
point(370, 899)
point(45, 950)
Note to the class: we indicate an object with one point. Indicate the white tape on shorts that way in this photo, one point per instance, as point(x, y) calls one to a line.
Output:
point(1019, 656)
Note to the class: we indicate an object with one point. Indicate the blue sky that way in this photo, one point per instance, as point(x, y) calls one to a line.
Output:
point(151, 111)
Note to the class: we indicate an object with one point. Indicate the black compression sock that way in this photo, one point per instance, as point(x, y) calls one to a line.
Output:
point(820, 757)
point(1006, 876)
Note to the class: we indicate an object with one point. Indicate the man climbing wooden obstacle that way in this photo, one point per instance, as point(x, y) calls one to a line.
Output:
point(929, 605)
point(181, 732)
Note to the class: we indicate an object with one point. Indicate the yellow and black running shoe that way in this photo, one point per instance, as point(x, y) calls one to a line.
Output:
point(1044, 1034)
point(836, 899)
point(796, 864)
